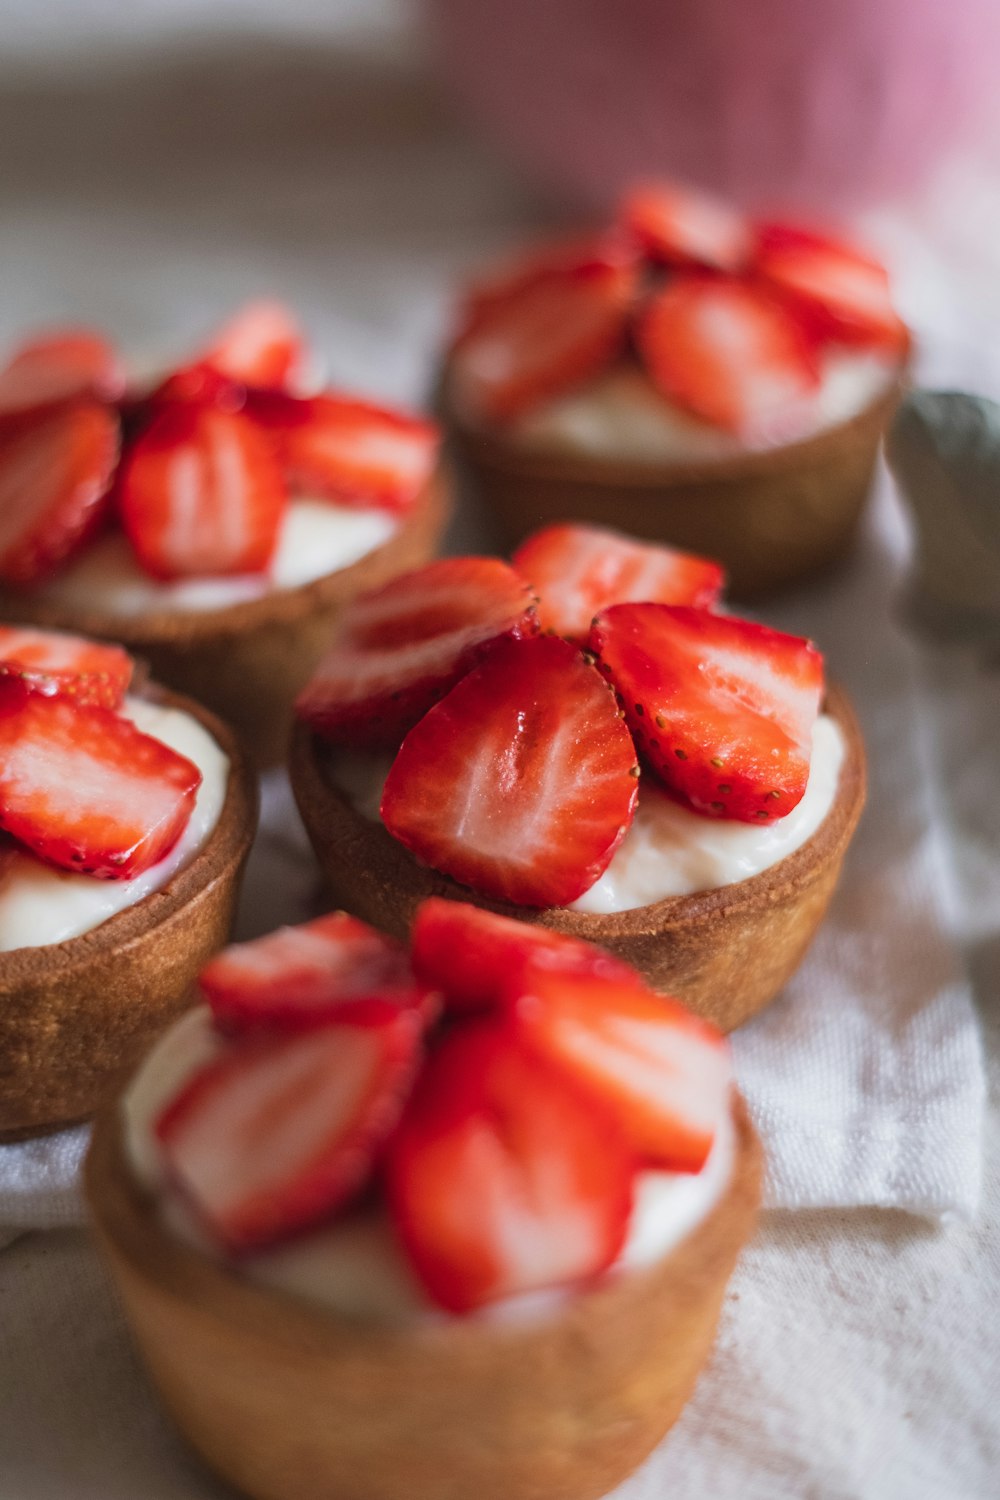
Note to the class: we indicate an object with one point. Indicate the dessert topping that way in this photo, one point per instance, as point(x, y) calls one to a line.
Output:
point(683, 227)
point(261, 345)
point(57, 367)
point(51, 662)
point(841, 294)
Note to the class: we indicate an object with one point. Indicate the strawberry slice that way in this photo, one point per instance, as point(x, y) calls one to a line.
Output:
point(521, 783)
point(682, 227)
point(473, 956)
point(555, 333)
point(86, 790)
point(578, 570)
point(55, 475)
point(51, 662)
point(57, 367)
point(840, 293)
point(349, 451)
point(261, 345)
point(723, 709)
point(279, 1131)
point(401, 647)
point(298, 976)
point(665, 1073)
point(200, 493)
point(503, 1177)
point(727, 351)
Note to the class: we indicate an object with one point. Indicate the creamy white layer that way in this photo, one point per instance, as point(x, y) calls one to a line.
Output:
point(41, 905)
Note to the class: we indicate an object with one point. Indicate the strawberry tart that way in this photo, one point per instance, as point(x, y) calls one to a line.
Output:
point(581, 740)
point(126, 815)
point(448, 1224)
point(687, 374)
point(214, 520)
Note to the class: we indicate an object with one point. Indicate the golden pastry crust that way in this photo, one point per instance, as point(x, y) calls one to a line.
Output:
point(726, 953)
point(286, 1400)
point(74, 1015)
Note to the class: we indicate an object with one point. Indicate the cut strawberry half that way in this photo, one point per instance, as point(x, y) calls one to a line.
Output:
point(840, 293)
point(86, 790)
point(200, 494)
point(521, 783)
point(578, 570)
point(729, 352)
point(503, 1177)
point(401, 647)
point(349, 451)
point(55, 477)
point(473, 956)
point(50, 662)
point(557, 332)
point(261, 345)
point(682, 227)
point(723, 709)
point(58, 367)
point(664, 1073)
point(200, 383)
point(298, 976)
point(279, 1131)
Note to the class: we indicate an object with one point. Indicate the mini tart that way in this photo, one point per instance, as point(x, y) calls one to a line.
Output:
point(75, 1014)
point(248, 661)
point(771, 518)
point(285, 1400)
point(726, 953)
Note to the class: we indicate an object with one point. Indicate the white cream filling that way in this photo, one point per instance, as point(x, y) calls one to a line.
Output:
point(354, 1266)
point(316, 537)
point(40, 904)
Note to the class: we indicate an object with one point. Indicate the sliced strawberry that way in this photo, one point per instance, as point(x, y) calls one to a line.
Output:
point(51, 662)
point(723, 709)
point(578, 570)
point(401, 647)
point(57, 367)
point(841, 294)
point(200, 383)
point(279, 1131)
point(261, 345)
point(556, 333)
point(503, 1177)
point(473, 956)
point(200, 493)
point(86, 790)
point(298, 976)
point(521, 783)
point(682, 227)
point(727, 351)
point(55, 476)
point(665, 1073)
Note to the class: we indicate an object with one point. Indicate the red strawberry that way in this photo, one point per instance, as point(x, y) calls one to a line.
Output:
point(682, 227)
point(521, 782)
point(665, 1073)
point(298, 976)
point(261, 345)
point(840, 293)
point(201, 383)
point(578, 570)
point(554, 334)
point(279, 1131)
point(58, 367)
point(53, 663)
point(503, 1177)
point(200, 493)
point(401, 647)
point(86, 790)
point(722, 709)
point(347, 450)
point(473, 956)
point(728, 351)
point(55, 474)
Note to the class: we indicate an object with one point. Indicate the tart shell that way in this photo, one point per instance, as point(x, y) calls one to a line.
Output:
point(726, 953)
point(286, 1400)
point(74, 1015)
point(248, 661)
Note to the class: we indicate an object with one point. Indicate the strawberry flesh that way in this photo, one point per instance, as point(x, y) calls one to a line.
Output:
point(579, 570)
point(261, 345)
point(53, 663)
point(521, 783)
point(841, 294)
point(403, 646)
point(722, 709)
point(680, 227)
point(57, 367)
